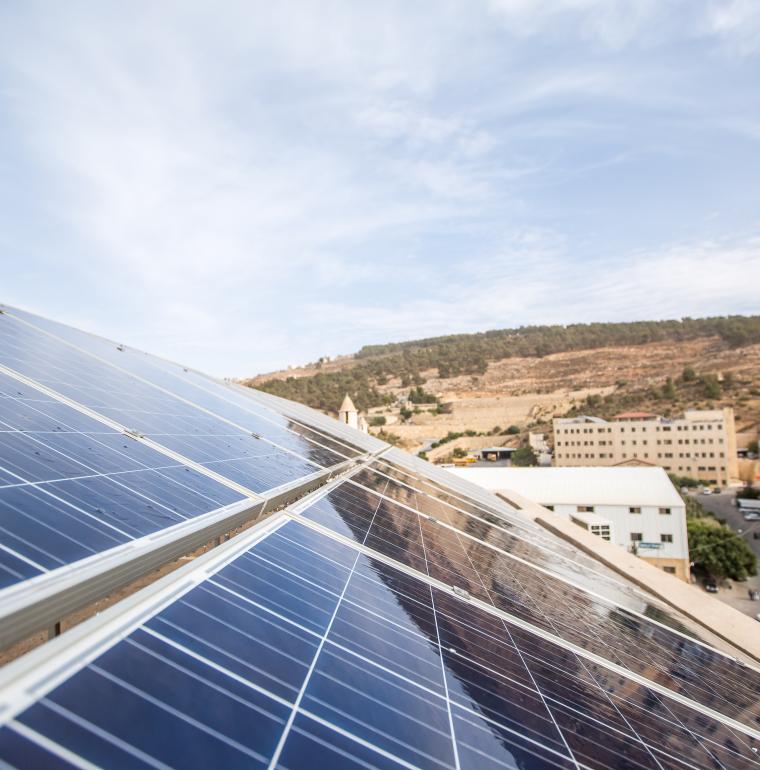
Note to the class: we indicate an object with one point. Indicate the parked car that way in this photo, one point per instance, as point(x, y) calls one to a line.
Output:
point(711, 586)
point(706, 491)
point(752, 516)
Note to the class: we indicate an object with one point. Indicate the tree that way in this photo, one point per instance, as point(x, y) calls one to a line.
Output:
point(712, 386)
point(719, 551)
point(669, 390)
point(688, 374)
point(405, 414)
point(753, 447)
point(683, 481)
point(419, 396)
point(390, 438)
point(524, 456)
point(512, 430)
point(459, 452)
point(377, 420)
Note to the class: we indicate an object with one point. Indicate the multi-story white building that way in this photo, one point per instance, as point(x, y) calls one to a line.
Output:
point(701, 444)
point(636, 508)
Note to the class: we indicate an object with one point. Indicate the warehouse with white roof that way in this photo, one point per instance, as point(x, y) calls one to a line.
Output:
point(636, 508)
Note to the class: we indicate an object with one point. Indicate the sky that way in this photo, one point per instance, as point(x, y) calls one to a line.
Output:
point(240, 186)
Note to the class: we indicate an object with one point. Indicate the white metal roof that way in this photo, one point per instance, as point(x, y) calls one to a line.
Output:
point(579, 486)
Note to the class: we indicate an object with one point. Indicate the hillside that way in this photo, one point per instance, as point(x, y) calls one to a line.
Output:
point(523, 377)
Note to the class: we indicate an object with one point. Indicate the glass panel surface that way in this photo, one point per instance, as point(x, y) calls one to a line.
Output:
point(306, 650)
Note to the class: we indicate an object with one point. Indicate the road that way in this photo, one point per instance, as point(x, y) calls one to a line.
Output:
point(723, 507)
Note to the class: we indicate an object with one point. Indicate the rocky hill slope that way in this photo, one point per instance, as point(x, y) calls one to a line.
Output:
point(663, 367)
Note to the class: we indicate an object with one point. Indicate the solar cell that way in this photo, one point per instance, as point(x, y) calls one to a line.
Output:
point(301, 651)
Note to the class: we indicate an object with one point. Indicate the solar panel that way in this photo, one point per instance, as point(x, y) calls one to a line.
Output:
point(395, 617)
point(228, 440)
point(71, 487)
point(95, 456)
point(502, 531)
point(222, 398)
point(500, 575)
point(302, 651)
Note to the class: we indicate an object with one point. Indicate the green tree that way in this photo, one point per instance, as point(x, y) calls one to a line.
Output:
point(377, 420)
point(753, 447)
point(390, 438)
point(688, 374)
point(669, 390)
point(711, 386)
point(459, 452)
point(683, 481)
point(524, 456)
point(419, 396)
point(512, 430)
point(719, 551)
point(405, 414)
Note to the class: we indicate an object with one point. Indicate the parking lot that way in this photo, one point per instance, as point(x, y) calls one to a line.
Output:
point(722, 506)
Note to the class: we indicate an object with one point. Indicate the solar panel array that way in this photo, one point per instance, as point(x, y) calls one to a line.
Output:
point(389, 619)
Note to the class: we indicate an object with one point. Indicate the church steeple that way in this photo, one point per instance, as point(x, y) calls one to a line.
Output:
point(348, 413)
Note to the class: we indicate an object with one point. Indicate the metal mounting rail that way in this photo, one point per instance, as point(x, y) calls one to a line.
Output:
point(43, 601)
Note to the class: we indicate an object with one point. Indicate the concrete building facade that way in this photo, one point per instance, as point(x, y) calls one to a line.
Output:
point(701, 444)
point(638, 509)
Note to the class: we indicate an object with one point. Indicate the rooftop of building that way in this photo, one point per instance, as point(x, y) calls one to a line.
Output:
point(580, 486)
point(689, 415)
point(635, 416)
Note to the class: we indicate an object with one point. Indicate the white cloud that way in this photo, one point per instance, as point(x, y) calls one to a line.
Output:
point(497, 291)
point(736, 23)
point(612, 23)
point(244, 189)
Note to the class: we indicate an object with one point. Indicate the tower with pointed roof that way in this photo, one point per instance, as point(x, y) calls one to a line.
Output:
point(348, 413)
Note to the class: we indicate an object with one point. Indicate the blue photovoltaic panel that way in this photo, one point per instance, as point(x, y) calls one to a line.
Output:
point(71, 487)
point(222, 399)
point(483, 566)
point(330, 643)
point(502, 532)
point(305, 653)
point(177, 425)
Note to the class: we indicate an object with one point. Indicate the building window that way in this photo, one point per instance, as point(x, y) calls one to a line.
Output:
point(585, 509)
point(636, 537)
point(666, 538)
point(634, 509)
point(670, 570)
point(665, 511)
point(550, 507)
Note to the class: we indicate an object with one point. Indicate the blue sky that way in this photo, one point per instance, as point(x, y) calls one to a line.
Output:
point(242, 186)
